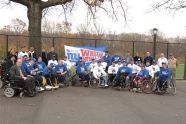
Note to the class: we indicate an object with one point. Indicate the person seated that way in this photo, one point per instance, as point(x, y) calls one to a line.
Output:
point(61, 71)
point(93, 65)
point(43, 71)
point(25, 62)
point(149, 69)
point(134, 68)
point(119, 64)
point(164, 75)
point(141, 76)
point(22, 80)
point(155, 68)
point(112, 71)
point(123, 71)
point(103, 64)
point(51, 68)
point(82, 71)
point(98, 73)
point(31, 71)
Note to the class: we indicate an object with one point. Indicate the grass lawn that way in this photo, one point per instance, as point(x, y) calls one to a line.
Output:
point(180, 71)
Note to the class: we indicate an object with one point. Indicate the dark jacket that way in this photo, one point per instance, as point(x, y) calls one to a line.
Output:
point(33, 55)
point(148, 59)
point(15, 73)
point(51, 54)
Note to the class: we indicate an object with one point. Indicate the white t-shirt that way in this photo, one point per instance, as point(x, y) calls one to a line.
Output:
point(155, 68)
point(151, 72)
point(92, 66)
point(135, 69)
point(104, 65)
point(119, 66)
point(21, 54)
point(98, 72)
point(113, 70)
point(162, 60)
point(52, 63)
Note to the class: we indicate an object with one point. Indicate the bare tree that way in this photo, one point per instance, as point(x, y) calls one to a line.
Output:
point(172, 5)
point(37, 8)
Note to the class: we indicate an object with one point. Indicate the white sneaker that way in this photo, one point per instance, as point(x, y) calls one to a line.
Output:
point(48, 87)
point(41, 88)
point(106, 85)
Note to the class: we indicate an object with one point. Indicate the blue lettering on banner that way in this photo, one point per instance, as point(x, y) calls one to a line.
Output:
point(73, 56)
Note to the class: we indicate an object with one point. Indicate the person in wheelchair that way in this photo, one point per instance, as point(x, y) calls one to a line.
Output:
point(82, 72)
point(61, 71)
point(99, 74)
point(31, 71)
point(93, 65)
point(43, 72)
point(141, 76)
point(164, 75)
point(112, 71)
point(123, 72)
point(21, 79)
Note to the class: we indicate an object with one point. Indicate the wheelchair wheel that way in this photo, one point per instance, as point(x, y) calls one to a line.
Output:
point(93, 83)
point(22, 94)
point(1, 84)
point(147, 86)
point(172, 88)
point(9, 92)
point(75, 80)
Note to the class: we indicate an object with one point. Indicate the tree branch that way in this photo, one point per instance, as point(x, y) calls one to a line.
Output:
point(23, 2)
point(51, 3)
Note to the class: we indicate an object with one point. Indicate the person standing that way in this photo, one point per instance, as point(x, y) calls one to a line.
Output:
point(148, 58)
point(44, 56)
point(128, 58)
point(161, 60)
point(51, 54)
point(32, 53)
point(173, 64)
point(22, 53)
point(137, 59)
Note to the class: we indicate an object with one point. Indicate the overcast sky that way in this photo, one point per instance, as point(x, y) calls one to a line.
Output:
point(139, 19)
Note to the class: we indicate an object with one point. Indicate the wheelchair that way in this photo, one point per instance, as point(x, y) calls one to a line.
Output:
point(65, 83)
point(95, 83)
point(167, 86)
point(78, 81)
point(121, 83)
point(12, 88)
point(146, 86)
point(4, 75)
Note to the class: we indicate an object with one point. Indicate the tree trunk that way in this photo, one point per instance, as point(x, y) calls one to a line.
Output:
point(34, 17)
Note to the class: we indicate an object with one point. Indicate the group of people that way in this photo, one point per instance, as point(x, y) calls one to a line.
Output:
point(37, 71)
point(135, 69)
point(44, 71)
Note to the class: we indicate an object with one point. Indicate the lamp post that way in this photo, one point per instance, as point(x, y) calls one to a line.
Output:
point(155, 31)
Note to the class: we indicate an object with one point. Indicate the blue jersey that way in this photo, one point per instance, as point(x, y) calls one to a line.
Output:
point(165, 74)
point(29, 68)
point(107, 59)
point(81, 69)
point(143, 74)
point(40, 65)
point(24, 65)
point(61, 68)
point(124, 70)
point(116, 58)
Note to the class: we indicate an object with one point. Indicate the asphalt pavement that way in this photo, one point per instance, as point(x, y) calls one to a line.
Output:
point(78, 105)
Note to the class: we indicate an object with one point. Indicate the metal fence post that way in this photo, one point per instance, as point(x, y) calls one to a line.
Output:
point(185, 69)
point(95, 44)
point(167, 50)
point(7, 46)
point(53, 39)
point(133, 44)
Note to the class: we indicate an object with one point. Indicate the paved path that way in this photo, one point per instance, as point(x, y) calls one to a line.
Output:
point(75, 105)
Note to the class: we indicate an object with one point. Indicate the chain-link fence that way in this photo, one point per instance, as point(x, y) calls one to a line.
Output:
point(119, 47)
